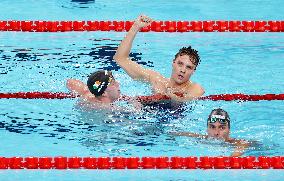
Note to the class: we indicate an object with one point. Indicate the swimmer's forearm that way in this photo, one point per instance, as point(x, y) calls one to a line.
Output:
point(189, 134)
point(241, 147)
point(123, 51)
point(238, 152)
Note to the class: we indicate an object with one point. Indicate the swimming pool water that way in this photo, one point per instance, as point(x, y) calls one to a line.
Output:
point(250, 63)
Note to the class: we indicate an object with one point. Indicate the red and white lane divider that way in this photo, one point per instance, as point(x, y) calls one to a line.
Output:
point(204, 162)
point(158, 97)
point(156, 26)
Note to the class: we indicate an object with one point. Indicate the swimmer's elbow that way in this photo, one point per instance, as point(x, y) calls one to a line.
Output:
point(115, 57)
point(70, 84)
point(76, 86)
point(119, 58)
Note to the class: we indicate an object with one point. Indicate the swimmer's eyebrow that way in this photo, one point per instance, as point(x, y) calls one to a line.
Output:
point(210, 124)
point(189, 66)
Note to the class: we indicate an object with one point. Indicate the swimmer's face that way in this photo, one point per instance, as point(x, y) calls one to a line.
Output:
point(218, 130)
point(113, 90)
point(183, 68)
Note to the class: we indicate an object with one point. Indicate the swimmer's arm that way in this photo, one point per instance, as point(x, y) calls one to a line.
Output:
point(189, 134)
point(197, 92)
point(111, 107)
point(133, 69)
point(80, 89)
point(241, 146)
point(92, 105)
point(77, 87)
point(135, 103)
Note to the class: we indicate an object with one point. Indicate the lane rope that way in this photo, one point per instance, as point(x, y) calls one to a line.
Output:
point(162, 162)
point(156, 26)
point(158, 97)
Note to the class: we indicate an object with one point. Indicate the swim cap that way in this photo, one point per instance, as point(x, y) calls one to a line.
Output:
point(219, 115)
point(98, 82)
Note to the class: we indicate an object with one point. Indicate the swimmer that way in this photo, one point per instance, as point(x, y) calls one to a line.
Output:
point(100, 92)
point(178, 87)
point(218, 127)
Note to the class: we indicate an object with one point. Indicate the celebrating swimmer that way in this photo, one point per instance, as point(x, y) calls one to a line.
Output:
point(178, 87)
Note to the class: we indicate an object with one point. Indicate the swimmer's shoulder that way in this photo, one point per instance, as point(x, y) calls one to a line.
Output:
point(196, 89)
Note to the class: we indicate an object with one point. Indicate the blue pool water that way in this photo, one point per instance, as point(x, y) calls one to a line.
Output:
point(250, 63)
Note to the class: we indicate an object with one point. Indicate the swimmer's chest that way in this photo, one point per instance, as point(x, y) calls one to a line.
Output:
point(161, 86)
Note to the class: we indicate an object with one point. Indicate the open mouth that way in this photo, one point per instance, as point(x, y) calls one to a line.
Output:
point(180, 77)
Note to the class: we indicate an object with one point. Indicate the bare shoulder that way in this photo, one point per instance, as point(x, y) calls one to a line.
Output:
point(196, 90)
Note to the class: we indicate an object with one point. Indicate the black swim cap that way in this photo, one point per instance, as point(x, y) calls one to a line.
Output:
point(98, 82)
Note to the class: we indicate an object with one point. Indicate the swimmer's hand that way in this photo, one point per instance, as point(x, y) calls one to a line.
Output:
point(136, 104)
point(189, 134)
point(176, 96)
point(134, 101)
point(142, 21)
point(241, 146)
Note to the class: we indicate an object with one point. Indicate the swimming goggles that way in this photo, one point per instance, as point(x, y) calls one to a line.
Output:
point(215, 118)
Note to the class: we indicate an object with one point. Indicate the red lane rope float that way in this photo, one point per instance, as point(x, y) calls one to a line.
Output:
point(36, 95)
point(156, 26)
point(204, 162)
point(158, 97)
point(244, 97)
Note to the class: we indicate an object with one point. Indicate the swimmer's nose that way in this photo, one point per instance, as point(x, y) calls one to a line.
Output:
point(182, 70)
point(217, 133)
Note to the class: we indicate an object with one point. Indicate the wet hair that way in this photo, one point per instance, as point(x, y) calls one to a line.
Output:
point(220, 112)
point(193, 54)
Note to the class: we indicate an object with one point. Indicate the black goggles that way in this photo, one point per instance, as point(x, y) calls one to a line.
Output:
point(220, 120)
